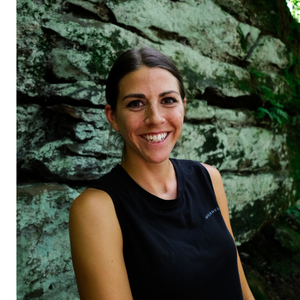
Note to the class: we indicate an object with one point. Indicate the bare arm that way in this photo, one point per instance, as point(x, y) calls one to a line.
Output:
point(97, 248)
point(222, 201)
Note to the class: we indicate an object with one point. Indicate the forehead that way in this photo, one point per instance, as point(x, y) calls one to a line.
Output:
point(148, 80)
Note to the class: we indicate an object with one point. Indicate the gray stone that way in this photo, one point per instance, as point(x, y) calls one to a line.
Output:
point(103, 42)
point(269, 54)
point(200, 24)
point(81, 91)
point(198, 110)
point(227, 49)
point(199, 72)
point(91, 115)
point(274, 83)
point(98, 147)
point(234, 149)
point(249, 36)
point(92, 137)
point(98, 7)
point(44, 266)
point(267, 16)
point(31, 128)
point(235, 116)
point(31, 47)
point(50, 163)
point(254, 200)
point(70, 65)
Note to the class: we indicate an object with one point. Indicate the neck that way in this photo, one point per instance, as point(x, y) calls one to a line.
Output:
point(158, 179)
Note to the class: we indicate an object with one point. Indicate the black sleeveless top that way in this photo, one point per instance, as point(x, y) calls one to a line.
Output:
point(174, 249)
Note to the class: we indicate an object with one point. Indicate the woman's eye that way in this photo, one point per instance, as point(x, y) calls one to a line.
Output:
point(135, 103)
point(169, 100)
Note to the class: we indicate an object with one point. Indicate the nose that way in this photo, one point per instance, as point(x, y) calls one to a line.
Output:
point(153, 115)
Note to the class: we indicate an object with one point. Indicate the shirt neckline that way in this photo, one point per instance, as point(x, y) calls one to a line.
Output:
point(130, 182)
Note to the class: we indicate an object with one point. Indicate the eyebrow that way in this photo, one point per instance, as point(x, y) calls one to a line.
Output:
point(144, 97)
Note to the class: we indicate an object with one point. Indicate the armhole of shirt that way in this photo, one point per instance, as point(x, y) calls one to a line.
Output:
point(215, 197)
point(113, 198)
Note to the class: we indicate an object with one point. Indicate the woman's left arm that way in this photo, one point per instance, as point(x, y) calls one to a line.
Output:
point(222, 202)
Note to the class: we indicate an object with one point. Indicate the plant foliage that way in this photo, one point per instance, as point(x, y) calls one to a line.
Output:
point(294, 6)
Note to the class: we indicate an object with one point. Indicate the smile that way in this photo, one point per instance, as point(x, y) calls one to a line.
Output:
point(155, 138)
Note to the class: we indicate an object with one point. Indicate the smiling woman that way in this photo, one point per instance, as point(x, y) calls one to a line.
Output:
point(149, 115)
point(146, 229)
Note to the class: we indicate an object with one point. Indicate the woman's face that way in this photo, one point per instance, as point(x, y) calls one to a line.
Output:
point(149, 114)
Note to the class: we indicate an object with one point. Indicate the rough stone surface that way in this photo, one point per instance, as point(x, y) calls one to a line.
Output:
point(199, 24)
point(234, 149)
point(50, 163)
point(31, 128)
point(254, 200)
point(271, 259)
point(44, 268)
point(232, 59)
point(81, 91)
point(269, 54)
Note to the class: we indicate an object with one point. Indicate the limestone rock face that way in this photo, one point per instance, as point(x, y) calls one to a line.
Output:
point(44, 263)
point(31, 128)
point(231, 59)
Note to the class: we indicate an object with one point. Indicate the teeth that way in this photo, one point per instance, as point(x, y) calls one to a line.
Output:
point(155, 138)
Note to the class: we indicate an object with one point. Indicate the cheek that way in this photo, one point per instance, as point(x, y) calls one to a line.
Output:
point(178, 118)
point(128, 128)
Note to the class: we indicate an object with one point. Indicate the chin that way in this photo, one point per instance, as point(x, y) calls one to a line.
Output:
point(157, 159)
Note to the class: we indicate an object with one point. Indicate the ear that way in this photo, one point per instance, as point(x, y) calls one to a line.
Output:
point(184, 104)
point(111, 117)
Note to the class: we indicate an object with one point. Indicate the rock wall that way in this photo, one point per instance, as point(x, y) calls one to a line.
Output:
point(229, 52)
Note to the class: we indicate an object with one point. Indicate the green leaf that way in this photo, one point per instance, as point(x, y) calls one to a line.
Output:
point(261, 112)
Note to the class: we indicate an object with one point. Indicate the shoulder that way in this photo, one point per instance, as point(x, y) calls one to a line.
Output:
point(91, 198)
point(97, 247)
point(99, 193)
point(216, 179)
point(213, 172)
point(93, 223)
point(93, 206)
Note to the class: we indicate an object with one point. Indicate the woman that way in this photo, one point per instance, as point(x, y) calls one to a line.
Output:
point(154, 227)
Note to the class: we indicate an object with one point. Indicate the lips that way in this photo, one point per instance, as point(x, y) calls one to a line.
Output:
point(155, 138)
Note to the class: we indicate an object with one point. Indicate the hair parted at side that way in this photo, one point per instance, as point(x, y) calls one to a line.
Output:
point(133, 59)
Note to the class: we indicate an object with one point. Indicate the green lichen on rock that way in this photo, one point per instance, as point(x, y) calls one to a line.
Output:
point(32, 130)
point(192, 23)
point(102, 42)
point(270, 54)
point(44, 266)
point(226, 147)
point(81, 91)
point(265, 196)
point(91, 133)
point(50, 162)
point(239, 55)
point(32, 47)
point(200, 73)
